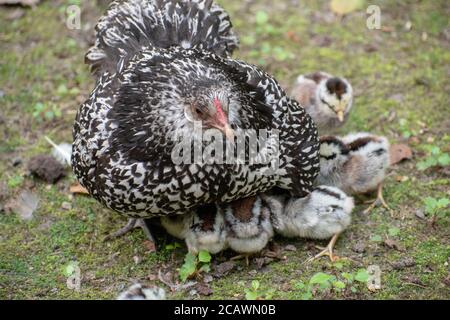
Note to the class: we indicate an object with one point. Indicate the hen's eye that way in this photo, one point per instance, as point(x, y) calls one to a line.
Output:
point(198, 111)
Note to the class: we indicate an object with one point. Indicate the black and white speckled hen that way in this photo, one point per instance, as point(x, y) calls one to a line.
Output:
point(163, 65)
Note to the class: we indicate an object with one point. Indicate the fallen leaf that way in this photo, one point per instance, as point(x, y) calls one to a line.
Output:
point(293, 36)
point(342, 7)
point(392, 244)
point(286, 287)
point(412, 280)
point(224, 268)
point(372, 48)
point(403, 263)
point(203, 289)
point(78, 189)
point(401, 178)
point(24, 205)
point(399, 152)
point(446, 281)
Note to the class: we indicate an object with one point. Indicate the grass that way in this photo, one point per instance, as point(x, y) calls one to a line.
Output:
point(396, 70)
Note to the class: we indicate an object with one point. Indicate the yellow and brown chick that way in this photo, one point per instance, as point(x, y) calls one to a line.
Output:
point(327, 99)
point(249, 227)
point(356, 163)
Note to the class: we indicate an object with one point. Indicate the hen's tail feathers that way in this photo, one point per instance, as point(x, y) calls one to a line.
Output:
point(130, 25)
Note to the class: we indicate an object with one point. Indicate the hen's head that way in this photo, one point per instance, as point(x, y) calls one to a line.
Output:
point(211, 105)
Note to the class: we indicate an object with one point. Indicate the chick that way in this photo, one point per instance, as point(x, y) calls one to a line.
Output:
point(324, 213)
point(248, 225)
point(139, 292)
point(326, 98)
point(203, 229)
point(207, 231)
point(356, 163)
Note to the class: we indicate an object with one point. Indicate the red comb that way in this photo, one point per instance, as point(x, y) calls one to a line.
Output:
point(220, 114)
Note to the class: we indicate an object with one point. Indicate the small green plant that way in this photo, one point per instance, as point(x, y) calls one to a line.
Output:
point(394, 231)
point(70, 268)
point(258, 40)
point(15, 181)
point(405, 129)
point(435, 158)
point(194, 265)
point(43, 112)
point(321, 282)
point(172, 246)
point(436, 207)
point(253, 293)
point(376, 238)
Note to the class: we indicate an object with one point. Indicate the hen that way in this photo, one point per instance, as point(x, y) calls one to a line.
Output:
point(163, 67)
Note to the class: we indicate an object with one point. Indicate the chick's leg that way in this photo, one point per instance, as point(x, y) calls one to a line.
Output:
point(327, 251)
point(245, 256)
point(378, 200)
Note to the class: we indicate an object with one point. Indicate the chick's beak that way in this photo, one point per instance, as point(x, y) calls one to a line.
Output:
point(340, 111)
point(340, 115)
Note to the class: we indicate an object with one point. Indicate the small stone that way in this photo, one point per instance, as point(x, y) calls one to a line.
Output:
point(420, 214)
point(359, 247)
point(290, 247)
point(46, 168)
point(66, 205)
point(408, 25)
point(137, 259)
point(192, 292)
point(16, 161)
point(207, 278)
